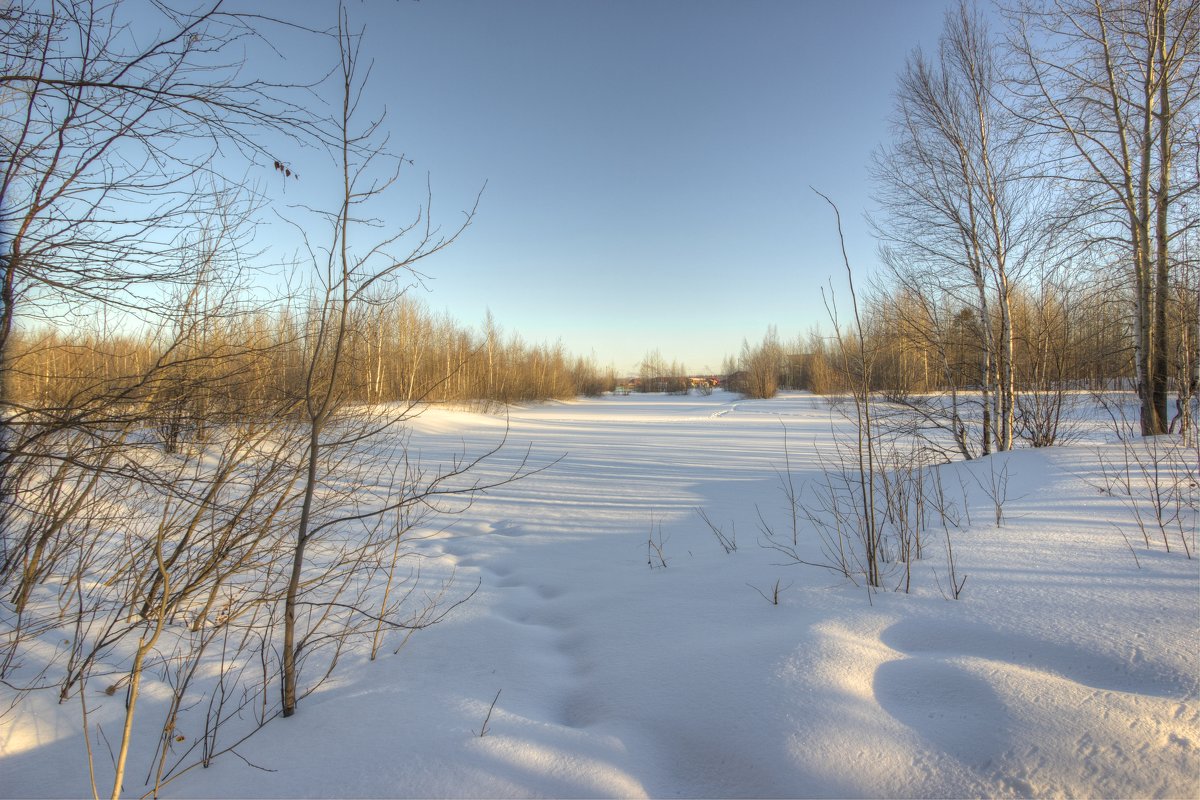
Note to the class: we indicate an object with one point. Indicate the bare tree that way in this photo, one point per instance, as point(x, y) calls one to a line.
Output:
point(351, 279)
point(956, 202)
point(118, 138)
point(1113, 86)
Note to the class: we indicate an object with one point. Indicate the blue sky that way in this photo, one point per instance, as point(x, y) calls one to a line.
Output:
point(647, 163)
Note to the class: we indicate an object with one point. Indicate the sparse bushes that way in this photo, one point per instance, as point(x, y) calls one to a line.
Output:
point(1157, 479)
point(871, 527)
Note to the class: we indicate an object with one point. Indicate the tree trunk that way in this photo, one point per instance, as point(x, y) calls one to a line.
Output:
point(1160, 344)
point(290, 677)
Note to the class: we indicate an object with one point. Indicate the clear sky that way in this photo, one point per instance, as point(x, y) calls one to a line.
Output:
point(647, 162)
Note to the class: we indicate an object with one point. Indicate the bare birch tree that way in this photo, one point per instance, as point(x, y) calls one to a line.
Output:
point(955, 199)
point(1114, 85)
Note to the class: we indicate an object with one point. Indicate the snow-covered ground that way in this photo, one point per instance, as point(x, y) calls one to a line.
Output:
point(1068, 667)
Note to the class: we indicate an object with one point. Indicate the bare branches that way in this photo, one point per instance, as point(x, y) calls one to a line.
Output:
point(483, 729)
point(1113, 89)
point(728, 541)
point(212, 486)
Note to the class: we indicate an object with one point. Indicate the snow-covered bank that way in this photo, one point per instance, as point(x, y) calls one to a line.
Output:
point(1066, 668)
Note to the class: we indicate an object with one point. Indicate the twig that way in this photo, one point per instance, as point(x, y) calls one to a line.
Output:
point(483, 730)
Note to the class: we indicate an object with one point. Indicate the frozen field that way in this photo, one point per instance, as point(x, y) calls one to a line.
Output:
point(1067, 668)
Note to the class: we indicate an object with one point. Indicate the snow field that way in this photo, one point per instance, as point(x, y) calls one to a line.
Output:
point(1066, 669)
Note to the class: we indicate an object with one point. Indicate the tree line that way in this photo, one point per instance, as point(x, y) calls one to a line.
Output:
point(221, 365)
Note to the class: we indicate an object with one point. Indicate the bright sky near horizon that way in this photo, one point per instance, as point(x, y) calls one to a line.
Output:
point(647, 162)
